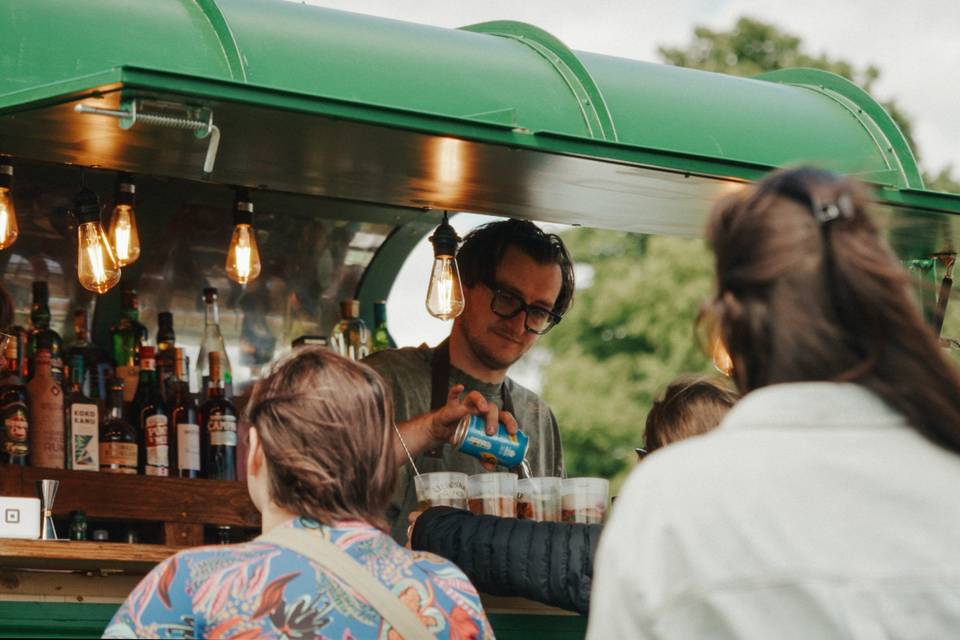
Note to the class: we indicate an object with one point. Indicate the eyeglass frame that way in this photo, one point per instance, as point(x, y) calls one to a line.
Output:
point(497, 290)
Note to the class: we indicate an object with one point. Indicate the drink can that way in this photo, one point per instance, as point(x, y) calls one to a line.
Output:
point(500, 448)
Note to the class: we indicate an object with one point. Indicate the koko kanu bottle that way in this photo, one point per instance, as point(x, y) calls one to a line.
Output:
point(218, 424)
point(83, 425)
point(46, 412)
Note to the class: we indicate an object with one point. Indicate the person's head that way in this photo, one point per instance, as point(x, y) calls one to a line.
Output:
point(504, 265)
point(322, 438)
point(806, 290)
point(688, 406)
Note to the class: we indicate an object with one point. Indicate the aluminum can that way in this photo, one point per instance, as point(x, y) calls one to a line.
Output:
point(501, 448)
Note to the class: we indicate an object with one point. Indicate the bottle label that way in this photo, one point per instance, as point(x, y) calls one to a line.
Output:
point(158, 446)
point(84, 450)
point(131, 377)
point(118, 457)
point(47, 437)
point(223, 431)
point(188, 446)
point(16, 429)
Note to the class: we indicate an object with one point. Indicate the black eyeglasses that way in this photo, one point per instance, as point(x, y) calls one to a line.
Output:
point(507, 305)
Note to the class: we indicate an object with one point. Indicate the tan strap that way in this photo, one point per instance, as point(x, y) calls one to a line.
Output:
point(313, 545)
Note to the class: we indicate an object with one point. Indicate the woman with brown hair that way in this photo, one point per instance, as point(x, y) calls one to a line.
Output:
point(824, 505)
point(321, 471)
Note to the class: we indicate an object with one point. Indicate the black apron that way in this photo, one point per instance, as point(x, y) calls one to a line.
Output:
point(440, 385)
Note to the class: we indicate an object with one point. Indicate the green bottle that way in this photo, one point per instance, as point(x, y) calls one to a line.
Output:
point(381, 334)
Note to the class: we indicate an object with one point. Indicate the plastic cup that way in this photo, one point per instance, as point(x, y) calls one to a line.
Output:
point(441, 489)
point(584, 500)
point(493, 494)
point(539, 499)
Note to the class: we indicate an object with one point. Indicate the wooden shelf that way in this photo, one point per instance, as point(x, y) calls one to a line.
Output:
point(67, 555)
point(183, 506)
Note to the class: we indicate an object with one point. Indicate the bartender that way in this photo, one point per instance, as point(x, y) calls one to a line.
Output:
point(517, 284)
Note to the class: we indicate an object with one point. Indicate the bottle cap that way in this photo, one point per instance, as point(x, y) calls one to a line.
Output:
point(130, 299)
point(350, 308)
point(165, 320)
point(147, 351)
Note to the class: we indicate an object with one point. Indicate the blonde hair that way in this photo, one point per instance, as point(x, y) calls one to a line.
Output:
point(688, 406)
point(326, 428)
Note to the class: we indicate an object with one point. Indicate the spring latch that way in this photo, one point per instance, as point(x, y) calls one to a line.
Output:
point(132, 114)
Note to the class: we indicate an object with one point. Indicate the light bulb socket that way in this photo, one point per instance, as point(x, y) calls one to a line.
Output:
point(86, 206)
point(242, 208)
point(125, 189)
point(6, 173)
point(445, 239)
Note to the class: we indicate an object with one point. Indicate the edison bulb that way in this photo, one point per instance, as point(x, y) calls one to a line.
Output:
point(8, 219)
point(123, 235)
point(243, 256)
point(445, 295)
point(97, 267)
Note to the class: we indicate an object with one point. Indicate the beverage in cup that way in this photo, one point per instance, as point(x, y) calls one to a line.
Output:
point(441, 489)
point(539, 499)
point(493, 494)
point(584, 500)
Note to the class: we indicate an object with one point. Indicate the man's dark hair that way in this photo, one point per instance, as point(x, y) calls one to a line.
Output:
point(484, 247)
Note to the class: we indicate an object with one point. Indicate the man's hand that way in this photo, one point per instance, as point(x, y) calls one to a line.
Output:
point(445, 419)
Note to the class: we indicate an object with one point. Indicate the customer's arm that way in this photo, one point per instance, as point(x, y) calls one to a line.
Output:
point(550, 562)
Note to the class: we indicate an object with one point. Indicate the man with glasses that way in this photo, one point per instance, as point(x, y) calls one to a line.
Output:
point(517, 284)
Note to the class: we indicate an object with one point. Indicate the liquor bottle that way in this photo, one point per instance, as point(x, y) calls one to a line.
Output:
point(46, 411)
point(185, 428)
point(128, 336)
point(40, 318)
point(218, 424)
point(212, 343)
point(93, 356)
point(150, 414)
point(83, 424)
point(381, 334)
point(14, 411)
point(166, 342)
point(351, 337)
point(118, 438)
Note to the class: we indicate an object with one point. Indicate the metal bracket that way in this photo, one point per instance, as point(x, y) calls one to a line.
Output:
point(199, 120)
point(947, 261)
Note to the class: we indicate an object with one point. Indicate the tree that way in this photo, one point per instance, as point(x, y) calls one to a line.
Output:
point(631, 331)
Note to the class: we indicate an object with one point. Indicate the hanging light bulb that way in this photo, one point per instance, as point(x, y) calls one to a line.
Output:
point(8, 217)
point(445, 295)
point(97, 267)
point(122, 232)
point(243, 257)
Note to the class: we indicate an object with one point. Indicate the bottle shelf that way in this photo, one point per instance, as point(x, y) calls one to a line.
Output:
point(182, 506)
point(70, 555)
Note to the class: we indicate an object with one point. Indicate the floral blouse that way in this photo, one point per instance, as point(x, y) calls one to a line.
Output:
point(259, 589)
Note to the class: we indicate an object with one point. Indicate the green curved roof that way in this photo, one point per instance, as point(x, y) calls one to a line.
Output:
point(322, 102)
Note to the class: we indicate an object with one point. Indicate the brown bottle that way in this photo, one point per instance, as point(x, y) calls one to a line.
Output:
point(46, 413)
point(184, 426)
point(14, 410)
point(118, 438)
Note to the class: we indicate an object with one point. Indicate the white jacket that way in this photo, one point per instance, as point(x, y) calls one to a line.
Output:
point(812, 511)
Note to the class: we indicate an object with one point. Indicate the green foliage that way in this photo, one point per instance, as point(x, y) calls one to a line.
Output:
point(626, 337)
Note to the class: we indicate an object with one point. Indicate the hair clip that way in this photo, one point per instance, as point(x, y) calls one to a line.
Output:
point(842, 208)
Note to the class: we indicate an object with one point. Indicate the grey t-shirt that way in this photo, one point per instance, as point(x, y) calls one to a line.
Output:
point(407, 374)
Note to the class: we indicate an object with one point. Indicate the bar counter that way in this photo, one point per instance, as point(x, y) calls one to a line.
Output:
point(64, 588)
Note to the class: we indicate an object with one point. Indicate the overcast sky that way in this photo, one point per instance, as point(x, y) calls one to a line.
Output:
point(916, 46)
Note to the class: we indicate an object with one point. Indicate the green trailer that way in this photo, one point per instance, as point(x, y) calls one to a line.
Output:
point(354, 134)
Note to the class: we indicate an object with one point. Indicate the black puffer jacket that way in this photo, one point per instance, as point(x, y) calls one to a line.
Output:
point(550, 562)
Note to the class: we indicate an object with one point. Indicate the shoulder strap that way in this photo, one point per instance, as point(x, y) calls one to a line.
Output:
point(331, 557)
